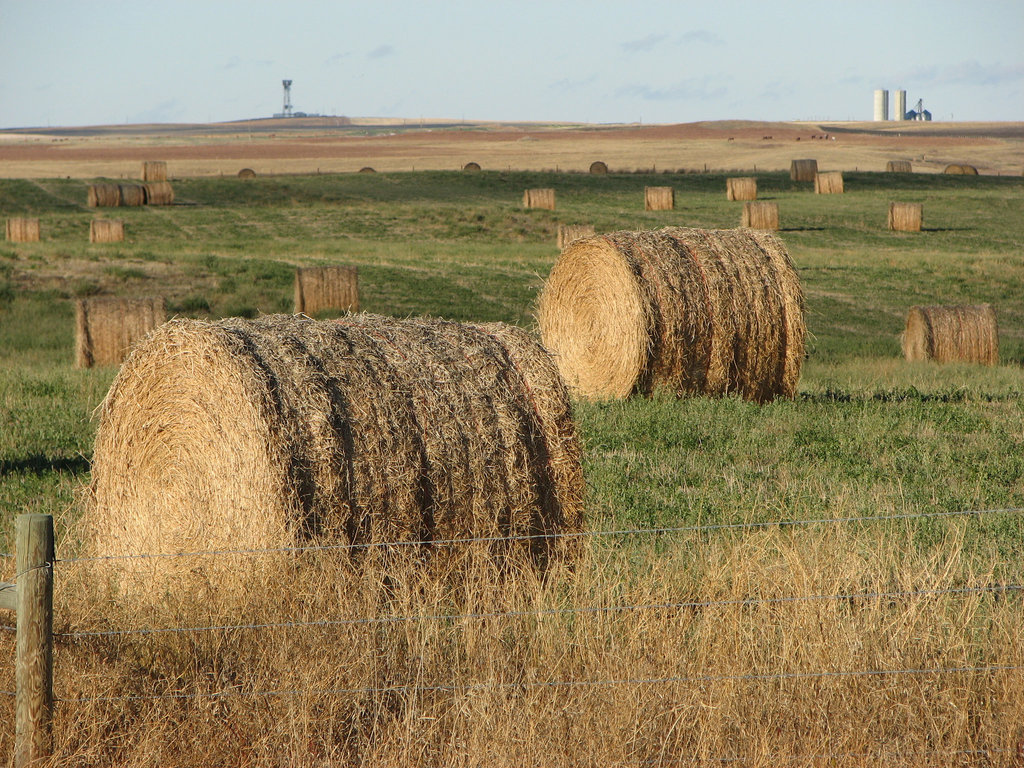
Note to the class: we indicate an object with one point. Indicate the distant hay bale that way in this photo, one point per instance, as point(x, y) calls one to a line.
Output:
point(23, 230)
point(106, 328)
point(569, 232)
point(539, 198)
point(106, 231)
point(828, 183)
point(471, 166)
point(159, 193)
point(154, 170)
point(961, 170)
point(744, 188)
point(104, 196)
point(284, 431)
point(247, 173)
point(367, 169)
point(803, 170)
point(905, 217)
point(899, 166)
point(320, 288)
point(762, 214)
point(955, 333)
point(659, 198)
point(688, 311)
point(598, 167)
point(132, 195)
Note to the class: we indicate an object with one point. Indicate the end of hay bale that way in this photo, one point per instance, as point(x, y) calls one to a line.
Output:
point(247, 173)
point(106, 231)
point(154, 170)
point(741, 188)
point(543, 198)
point(761, 214)
point(106, 328)
point(569, 232)
point(21, 229)
point(828, 183)
point(905, 217)
point(159, 193)
point(598, 168)
point(966, 333)
point(659, 199)
point(471, 166)
point(803, 170)
point(319, 289)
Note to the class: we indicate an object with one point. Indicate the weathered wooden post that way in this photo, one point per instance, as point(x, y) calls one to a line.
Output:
point(33, 702)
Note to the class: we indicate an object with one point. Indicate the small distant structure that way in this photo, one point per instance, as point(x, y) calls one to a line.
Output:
point(286, 111)
point(919, 112)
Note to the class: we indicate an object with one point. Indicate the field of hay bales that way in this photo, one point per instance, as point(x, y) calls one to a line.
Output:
point(792, 582)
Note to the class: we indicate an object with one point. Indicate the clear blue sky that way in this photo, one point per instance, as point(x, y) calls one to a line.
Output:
point(108, 62)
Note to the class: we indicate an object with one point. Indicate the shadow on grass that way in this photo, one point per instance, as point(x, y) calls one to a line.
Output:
point(39, 464)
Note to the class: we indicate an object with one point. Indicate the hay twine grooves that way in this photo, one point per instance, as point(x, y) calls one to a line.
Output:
point(154, 170)
point(598, 167)
point(539, 198)
point(324, 288)
point(762, 214)
point(159, 193)
point(569, 232)
point(23, 230)
point(106, 328)
point(899, 166)
point(961, 170)
point(828, 183)
point(132, 195)
point(803, 170)
point(104, 196)
point(905, 217)
point(689, 311)
point(956, 333)
point(286, 430)
point(743, 188)
point(106, 231)
point(247, 173)
point(659, 198)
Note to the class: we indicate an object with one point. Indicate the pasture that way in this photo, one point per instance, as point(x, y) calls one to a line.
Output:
point(898, 632)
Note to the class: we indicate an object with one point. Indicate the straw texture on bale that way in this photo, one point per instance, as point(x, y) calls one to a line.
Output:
point(688, 311)
point(23, 230)
point(803, 170)
point(905, 217)
point(539, 198)
point(899, 166)
point(955, 333)
point(744, 188)
point(159, 193)
point(471, 166)
point(133, 195)
point(106, 328)
point(320, 288)
point(104, 195)
point(154, 170)
point(828, 183)
point(659, 198)
point(961, 170)
point(367, 169)
point(761, 214)
point(598, 167)
point(248, 434)
point(569, 232)
point(106, 231)
point(247, 173)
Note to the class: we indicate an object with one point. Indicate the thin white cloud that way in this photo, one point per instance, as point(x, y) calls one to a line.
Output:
point(380, 52)
point(705, 36)
point(644, 44)
point(965, 73)
point(691, 88)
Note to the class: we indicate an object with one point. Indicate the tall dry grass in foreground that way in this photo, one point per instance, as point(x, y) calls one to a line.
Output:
point(642, 651)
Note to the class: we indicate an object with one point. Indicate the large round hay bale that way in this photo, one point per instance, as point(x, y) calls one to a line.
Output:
point(247, 173)
point(659, 198)
point(959, 169)
point(598, 167)
point(107, 327)
point(760, 214)
point(132, 195)
point(106, 231)
point(104, 196)
point(539, 198)
point(21, 229)
point(367, 169)
point(955, 333)
point(569, 232)
point(905, 217)
point(828, 183)
point(154, 170)
point(159, 193)
point(325, 288)
point(282, 431)
point(471, 166)
point(899, 166)
point(742, 188)
point(803, 170)
point(689, 311)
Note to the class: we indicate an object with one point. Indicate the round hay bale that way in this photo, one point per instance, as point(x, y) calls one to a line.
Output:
point(539, 198)
point(106, 231)
point(23, 230)
point(803, 170)
point(760, 214)
point(159, 193)
point(659, 198)
point(828, 183)
point(367, 169)
point(471, 166)
point(959, 169)
point(689, 311)
point(598, 167)
point(744, 188)
point(899, 166)
point(956, 333)
point(569, 232)
point(132, 195)
point(282, 431)
point(104, 196)
point(154, 170)
point(107, 327)
point(905, 217)
point(247, 173)
point(320, 288)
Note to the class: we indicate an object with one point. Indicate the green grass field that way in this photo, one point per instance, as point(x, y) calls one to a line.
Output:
point(867, 435)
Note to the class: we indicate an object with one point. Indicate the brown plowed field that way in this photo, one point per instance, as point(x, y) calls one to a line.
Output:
point(331, 145)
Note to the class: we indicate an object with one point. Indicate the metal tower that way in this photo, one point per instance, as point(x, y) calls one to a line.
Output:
point(287, 111)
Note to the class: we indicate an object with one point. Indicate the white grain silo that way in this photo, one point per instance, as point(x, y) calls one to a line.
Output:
point(881, 105)
point(899, 108)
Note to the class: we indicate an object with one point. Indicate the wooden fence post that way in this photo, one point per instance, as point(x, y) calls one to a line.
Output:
point(34, 554)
